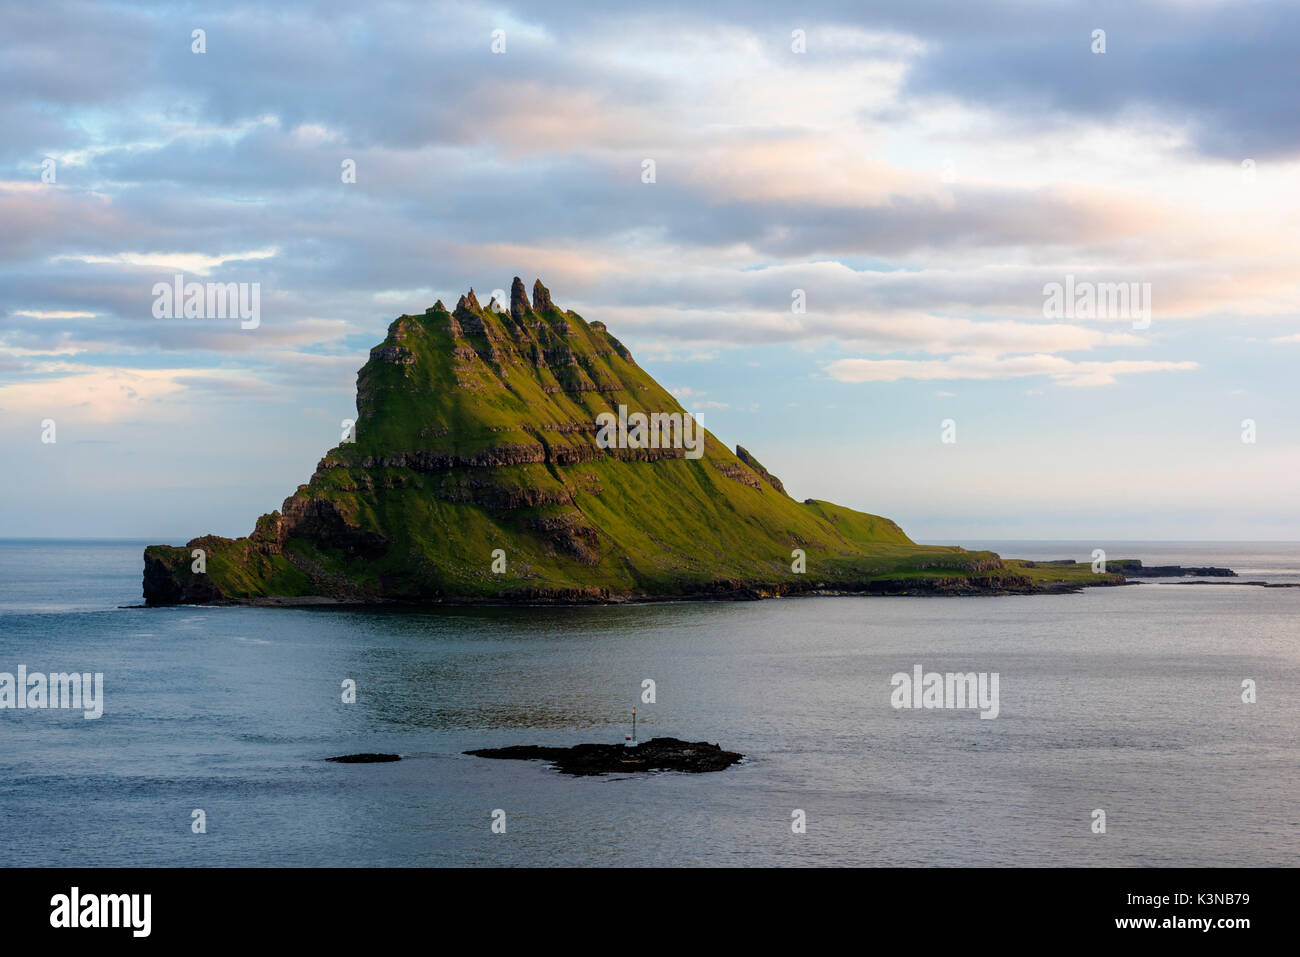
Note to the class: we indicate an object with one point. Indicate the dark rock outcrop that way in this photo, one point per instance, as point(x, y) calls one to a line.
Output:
point(743, 454)
point(367, 758)
point(657, 754)
point(519, 307)
point(541, 298)
point(1133, 568)
point(161, 587)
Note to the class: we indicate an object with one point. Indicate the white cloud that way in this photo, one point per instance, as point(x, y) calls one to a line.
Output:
point(197, 263)
point(1062, 370)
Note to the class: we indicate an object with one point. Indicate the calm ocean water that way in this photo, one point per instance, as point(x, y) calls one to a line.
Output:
point(1124, 699)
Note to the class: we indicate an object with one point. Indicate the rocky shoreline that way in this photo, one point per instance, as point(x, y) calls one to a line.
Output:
point(897, 588)
point(1123, 572)
point(1133, 568)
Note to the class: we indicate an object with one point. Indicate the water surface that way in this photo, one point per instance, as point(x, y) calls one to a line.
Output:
point(1125, 699)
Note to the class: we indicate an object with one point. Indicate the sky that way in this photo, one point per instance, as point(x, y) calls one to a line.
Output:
point(829, 228)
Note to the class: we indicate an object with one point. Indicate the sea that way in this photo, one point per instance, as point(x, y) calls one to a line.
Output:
point(1171, 708)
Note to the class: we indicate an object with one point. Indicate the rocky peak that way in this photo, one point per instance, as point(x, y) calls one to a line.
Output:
point(519, 306)
point(541, 298)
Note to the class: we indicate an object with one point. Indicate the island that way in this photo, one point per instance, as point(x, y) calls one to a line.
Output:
point(516, 453)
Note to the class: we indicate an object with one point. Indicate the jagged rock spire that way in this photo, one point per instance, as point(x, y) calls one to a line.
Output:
point(518, 299)
point(541, 298)
point(519, 305)
point(469, 301)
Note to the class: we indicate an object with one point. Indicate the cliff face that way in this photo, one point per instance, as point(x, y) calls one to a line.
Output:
point(479, 471)
point(743, 454)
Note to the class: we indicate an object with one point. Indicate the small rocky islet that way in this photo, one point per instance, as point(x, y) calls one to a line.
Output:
point(368, 758)
point(657, 754)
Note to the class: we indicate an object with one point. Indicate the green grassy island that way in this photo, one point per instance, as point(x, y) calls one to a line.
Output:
point(478, 473)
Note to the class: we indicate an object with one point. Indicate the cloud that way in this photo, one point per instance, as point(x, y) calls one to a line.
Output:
point(776, 171)
point(179, 261)
point(1225, 70)
point(1064, 371)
